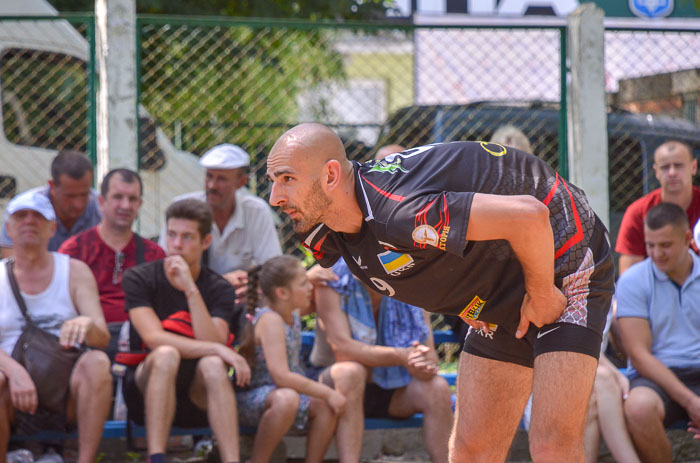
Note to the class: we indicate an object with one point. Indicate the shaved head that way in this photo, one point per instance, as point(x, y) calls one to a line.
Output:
point(311, 142)
point(312, 179)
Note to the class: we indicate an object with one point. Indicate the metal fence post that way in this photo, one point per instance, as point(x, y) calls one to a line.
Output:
point(117, 121)
point(588, 140)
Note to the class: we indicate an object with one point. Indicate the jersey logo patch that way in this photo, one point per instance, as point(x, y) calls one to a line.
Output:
point(390, 167)
point(473, 309)
point(394, 262)
point(425, 234)
point(494, 149)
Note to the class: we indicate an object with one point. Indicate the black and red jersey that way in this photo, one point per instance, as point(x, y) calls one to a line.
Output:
point(416, 204)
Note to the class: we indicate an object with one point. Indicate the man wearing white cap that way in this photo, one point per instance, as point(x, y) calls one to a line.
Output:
point(243, 232)
point(60, 294)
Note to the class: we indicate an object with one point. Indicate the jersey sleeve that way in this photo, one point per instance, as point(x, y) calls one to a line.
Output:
point(439, 220)
point(320, 241)
point(630, 238)
point(632, 294)
point(138, 290)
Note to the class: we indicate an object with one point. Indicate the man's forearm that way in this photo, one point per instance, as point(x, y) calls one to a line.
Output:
point(202, 322)
point(188, 347)
point(369, 355)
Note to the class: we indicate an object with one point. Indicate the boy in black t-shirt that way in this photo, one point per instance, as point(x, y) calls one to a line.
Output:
point(478, 230)
point(183, 376)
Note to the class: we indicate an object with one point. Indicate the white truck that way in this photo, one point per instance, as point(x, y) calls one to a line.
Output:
point(44, 107)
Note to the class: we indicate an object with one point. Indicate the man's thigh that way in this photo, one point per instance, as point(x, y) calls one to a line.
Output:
point(561, 390)
point(491, 397)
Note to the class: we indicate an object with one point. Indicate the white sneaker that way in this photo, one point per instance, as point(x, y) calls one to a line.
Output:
point(20, 456)
point(50, 457)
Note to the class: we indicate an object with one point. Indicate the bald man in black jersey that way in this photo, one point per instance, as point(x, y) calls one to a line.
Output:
point(478, 230)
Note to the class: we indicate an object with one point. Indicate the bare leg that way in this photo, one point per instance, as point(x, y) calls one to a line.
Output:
point(611, 416)
point(491, 397)
point(562, 386)
point(282, 405)
point(432, 399)
point(89, 401)
point(645, 413)
point(6, 415)
point(349, 379)
point(591, 443)
point(211, 391)
point(155, 378)
point(323, 422)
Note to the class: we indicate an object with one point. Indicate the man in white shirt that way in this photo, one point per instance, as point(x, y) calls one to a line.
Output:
point(243, 232)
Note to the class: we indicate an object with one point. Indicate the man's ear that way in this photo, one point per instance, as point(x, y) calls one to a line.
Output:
point(332, 171)
point(206, 242)
point(243, 180)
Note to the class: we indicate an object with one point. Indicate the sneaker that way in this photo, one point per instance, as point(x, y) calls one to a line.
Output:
point(203, 447)
point(20, 456)
point(50, 456)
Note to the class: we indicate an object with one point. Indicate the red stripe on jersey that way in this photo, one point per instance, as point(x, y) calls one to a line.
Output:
point(392, 196)
point(550, 195)
point(578, 236)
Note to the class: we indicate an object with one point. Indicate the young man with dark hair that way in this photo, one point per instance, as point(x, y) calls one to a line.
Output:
point(658, 310)
point(71, 196)
point(183, 379)
point(61, 298)
point(110, 247)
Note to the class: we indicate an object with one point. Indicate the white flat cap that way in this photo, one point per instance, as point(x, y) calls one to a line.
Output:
point(32, 200)
point(226, 156)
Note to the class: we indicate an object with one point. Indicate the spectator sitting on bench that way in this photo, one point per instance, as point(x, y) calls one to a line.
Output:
point(74, 202)
point(674, 167)
point(658, 310)
point(110, 247)
point(61, 297)
point(394, 340)
point(281, 396)
point(183, 376)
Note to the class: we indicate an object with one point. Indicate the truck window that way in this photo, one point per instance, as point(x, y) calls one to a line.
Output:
point(44, 99)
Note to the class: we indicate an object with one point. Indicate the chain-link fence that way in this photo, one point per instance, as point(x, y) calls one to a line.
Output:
point(657, 74)
point(47, 97)
point(210, 81)
point(206, 83)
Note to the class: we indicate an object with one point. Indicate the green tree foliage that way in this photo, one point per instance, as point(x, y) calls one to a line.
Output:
point(301, 9)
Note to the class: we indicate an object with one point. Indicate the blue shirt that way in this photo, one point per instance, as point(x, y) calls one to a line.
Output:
point(644, 291)
point(91, 217)
point(398, 323)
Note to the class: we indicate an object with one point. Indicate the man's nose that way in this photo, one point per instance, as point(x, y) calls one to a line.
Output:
point(275, 196)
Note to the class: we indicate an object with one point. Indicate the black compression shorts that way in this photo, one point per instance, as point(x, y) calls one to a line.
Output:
point(589, 293)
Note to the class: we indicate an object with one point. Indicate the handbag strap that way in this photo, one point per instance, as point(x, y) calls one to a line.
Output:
point(15, 290)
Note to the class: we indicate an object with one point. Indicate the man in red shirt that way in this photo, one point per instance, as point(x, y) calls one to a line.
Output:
point(110, 247)
point(675, 167)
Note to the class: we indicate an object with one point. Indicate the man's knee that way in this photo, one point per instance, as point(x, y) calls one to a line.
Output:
point(93, 367)
point(212, 369)
point(164, 359)
point(349, 378)
point(551, 444)
point(433, 393)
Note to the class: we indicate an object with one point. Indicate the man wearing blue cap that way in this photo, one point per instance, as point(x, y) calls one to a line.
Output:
point(61, 298)
point(243, 232)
